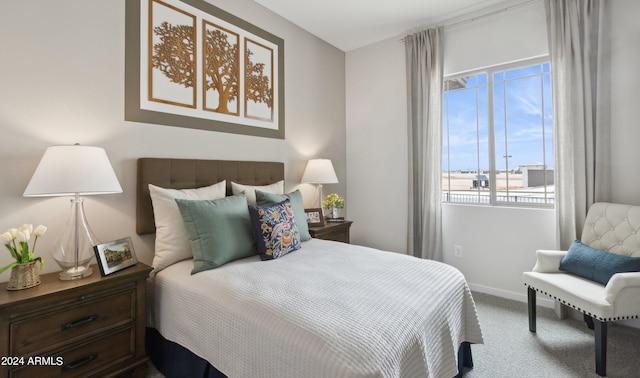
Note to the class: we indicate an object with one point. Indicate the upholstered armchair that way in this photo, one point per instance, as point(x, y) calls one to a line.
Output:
point(598, 277)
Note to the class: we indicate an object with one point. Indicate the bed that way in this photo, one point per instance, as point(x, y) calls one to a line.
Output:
point(327, 309)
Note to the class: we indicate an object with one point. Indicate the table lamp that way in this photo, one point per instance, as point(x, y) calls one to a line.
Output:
point(319, 171)
point(74, 171)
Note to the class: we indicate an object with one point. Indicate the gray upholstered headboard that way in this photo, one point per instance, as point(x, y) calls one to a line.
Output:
point(193, 173)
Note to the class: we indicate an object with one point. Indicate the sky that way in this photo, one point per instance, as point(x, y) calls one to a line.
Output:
point(522, 118)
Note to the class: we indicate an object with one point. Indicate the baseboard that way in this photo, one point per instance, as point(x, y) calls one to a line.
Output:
point(519, 297)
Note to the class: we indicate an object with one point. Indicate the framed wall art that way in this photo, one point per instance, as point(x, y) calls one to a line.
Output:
point(115, 255)
point(191, 64)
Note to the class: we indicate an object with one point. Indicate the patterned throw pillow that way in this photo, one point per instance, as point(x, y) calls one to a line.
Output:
point(264, 198)
point(275, 229)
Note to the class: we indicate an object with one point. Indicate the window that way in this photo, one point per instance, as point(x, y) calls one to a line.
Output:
point(497, 140)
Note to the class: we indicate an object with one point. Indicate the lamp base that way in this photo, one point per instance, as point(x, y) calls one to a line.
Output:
point(75, 273)
point(73, 249)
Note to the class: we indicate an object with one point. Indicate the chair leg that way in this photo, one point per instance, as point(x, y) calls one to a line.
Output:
point(588, 320)
point(600, 329)
point(531, 300)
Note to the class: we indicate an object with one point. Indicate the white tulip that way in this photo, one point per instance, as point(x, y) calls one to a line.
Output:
point(7, 238)
point(23, 236)
point(13, 232)
point(26, 227)
point(40, 230)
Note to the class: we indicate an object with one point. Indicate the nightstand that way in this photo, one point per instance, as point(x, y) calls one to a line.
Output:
point(90, 327)
point(337, 231)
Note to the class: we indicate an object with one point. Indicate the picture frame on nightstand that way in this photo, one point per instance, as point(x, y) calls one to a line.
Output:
point(314, 217)
point(115, 255)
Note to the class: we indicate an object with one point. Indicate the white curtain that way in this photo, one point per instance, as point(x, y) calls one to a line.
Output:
point(578, 47)
point(424, 90)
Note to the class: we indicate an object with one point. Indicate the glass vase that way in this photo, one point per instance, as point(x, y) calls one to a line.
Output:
point(73, 250)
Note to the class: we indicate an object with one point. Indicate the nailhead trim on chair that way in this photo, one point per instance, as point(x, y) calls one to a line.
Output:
point(581, 310)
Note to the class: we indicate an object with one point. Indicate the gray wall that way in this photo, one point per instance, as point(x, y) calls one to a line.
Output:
point(63, 82)
point(498, 243)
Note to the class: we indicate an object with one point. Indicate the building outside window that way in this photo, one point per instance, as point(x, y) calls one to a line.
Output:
point(498, 137)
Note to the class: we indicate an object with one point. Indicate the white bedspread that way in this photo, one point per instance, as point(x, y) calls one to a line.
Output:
point(327, 310)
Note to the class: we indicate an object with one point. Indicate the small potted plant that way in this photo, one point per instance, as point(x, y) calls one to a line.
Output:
point(333, 202)
point(24, 271)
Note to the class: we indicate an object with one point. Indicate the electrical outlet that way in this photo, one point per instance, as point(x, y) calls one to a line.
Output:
point(457, 251)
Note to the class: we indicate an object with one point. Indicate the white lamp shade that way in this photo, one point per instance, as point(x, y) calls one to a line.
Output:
point(70, 170)
point(319, 171)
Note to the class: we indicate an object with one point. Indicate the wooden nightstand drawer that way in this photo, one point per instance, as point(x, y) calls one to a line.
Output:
point(94, 326)
point(336, 235)
point(66, 324)
point(84, 358)
point(336, 231)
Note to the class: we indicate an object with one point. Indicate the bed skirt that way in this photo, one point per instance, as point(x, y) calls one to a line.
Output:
point(173, 360)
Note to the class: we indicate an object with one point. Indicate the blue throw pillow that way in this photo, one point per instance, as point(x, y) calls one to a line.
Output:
point(275, 229)
point(264, 198)
point(596, 265)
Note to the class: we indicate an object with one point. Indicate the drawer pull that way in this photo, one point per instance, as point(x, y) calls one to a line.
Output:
point(79, 322)
point(79, 363)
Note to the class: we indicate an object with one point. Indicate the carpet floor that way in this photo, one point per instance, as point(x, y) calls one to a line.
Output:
point(559, 348)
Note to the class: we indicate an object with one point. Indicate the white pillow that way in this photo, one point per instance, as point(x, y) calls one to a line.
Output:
point(250, 190)
point(172, 241)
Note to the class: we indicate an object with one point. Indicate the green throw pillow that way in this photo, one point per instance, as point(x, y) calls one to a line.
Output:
point(263, 198)
point(219, 230)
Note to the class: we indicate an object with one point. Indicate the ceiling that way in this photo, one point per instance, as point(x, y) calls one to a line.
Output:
point(351, 24)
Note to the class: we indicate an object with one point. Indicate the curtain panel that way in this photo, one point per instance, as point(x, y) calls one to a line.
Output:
point(424, 60)
point(578, 48)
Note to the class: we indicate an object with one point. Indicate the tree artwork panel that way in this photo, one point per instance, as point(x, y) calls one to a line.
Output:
point(172, 59)
point(191, 64)
point(258, 84)
point(221, 63)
